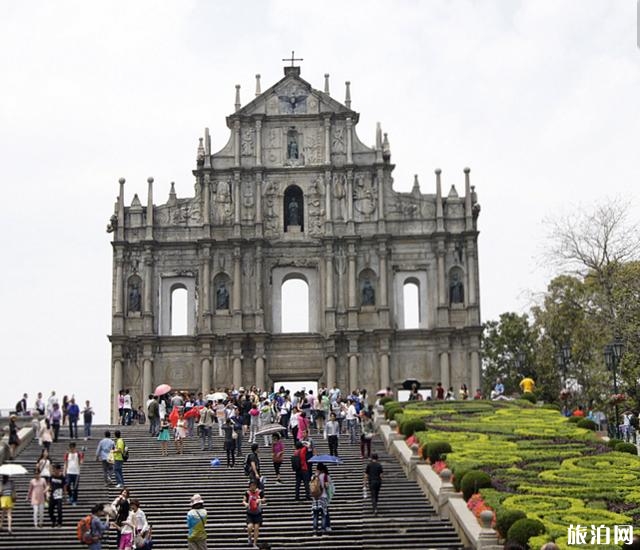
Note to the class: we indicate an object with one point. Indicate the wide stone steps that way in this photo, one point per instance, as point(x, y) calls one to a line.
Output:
point(164, 486)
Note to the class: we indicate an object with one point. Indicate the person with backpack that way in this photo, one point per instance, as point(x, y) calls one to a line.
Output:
point(91, 528)
point(301, 468)
point(197, 524)
point(321, 489)
point(253, 500)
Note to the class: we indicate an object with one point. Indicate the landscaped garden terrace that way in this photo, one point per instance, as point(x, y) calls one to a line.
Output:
point(540, 472)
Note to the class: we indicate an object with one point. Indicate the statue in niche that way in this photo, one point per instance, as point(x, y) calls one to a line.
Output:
point(222, 296)
point(293, 209)
point(134, 298)
point(456, 289)
point(368, 294)
point(292, 146)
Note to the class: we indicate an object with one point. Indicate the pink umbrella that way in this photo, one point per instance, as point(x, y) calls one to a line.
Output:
point(162, 389)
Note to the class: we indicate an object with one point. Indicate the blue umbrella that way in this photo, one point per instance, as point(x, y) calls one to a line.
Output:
point(327, 459)
point(215, 462)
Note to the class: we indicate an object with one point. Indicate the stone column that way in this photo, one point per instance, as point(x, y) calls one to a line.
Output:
point(236, 143)
point(352, 278)
point(237, 371)
point(349, 127)
point(472, 296)
point(444, 369)
point(119, 290)
point(385, 375)
point(331, 371)
point(117, 386)
point(328, 258)
point(147, 377)
point(259, 359)
point(206, 201)
point(149, 225)
point(327, 195)
point(259, 305)
point(349, 197)
point(382, 266)
point(205, 382)
point(258, 195)
point(442, 292)
point(353, 371)
point(206, 281)
point(236, 197)
point(237, 288)
point(327, 139)
point(475, 371)
point(258, 142)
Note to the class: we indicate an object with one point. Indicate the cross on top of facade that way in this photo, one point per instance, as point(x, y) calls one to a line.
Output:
point(293, 58)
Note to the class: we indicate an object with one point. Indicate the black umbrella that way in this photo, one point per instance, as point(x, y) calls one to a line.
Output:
point(409, 383)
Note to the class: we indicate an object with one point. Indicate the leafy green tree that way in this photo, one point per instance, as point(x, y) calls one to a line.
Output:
point(508, 351)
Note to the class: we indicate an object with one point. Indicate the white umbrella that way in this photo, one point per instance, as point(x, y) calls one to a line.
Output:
point(269, 429)
point(13, 470)
point(217, 396)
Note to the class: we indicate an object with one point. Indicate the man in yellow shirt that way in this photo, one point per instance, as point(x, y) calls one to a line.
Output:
point(527, 385)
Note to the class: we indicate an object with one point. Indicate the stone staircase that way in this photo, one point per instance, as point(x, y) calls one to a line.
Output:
point(164, 485)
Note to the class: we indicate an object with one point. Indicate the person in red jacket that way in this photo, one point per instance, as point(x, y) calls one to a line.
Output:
point(301, 468)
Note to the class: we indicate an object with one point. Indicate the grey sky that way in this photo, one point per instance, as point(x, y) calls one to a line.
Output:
point(539, 98)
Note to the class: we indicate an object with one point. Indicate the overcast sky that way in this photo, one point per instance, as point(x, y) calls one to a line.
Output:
point(539, 98)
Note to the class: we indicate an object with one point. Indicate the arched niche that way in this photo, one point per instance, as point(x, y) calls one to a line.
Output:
point(456, 286)
point(368, 288)
point(134, 295)
point(222, 293)
point(419, 303)
point(293, 209)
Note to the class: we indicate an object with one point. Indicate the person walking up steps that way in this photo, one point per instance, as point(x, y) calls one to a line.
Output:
point(373, 479)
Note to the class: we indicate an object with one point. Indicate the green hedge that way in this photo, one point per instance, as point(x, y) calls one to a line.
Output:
point(473, 481)
point(523, 529)
point(412, 425)
point(435, 450)
point(506, 518)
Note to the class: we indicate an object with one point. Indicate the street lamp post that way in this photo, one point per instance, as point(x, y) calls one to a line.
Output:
point(563, 358)
point(612, 355)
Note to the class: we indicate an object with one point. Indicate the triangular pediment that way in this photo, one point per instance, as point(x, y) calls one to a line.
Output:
point(292, 95)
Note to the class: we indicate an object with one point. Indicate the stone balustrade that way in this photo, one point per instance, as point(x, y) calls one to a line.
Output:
point(440, 491)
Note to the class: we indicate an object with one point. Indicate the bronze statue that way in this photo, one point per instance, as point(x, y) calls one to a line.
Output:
point(456, 290)
point(368, 294)
point(222, 297)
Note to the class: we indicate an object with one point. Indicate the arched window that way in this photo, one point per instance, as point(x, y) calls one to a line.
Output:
point(411, 301)
point(179, 311)
point(295, 305)
point(293, 209)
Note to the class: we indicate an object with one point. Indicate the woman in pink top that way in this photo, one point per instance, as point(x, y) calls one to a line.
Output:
point(37, 493)
point(277, 451)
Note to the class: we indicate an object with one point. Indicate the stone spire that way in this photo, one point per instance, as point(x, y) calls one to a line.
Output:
point(326, 83)
point(120, 227)
point(258, 92)
point(415, 191)
point(468, 212)
point(378, 142)
point(347, 94)
point(173, 198)
point(200, 155)
point(149, 227)
point(237, 97)
point(439, 209)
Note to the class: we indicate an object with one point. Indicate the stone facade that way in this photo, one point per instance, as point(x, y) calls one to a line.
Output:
point(295, 194)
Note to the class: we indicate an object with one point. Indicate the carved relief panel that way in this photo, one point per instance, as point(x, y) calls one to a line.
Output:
point(365, 196)
point(222, 211)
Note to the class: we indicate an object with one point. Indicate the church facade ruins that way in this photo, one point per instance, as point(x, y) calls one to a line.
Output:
point(295, 194)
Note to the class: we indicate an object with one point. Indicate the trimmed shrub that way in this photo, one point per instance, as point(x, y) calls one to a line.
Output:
point(392, 412)
point(506, 518)
point(412, 425)
point(530, 397)
point(384, 400)
point(588, 424)
point(613, 442)
point(523, 529)
point(574, 419)
point(435, 450)
point(458, 476)
point(624, 447)
point(472, 481)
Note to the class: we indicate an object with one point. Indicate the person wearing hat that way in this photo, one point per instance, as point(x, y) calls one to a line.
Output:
point(197, 524)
